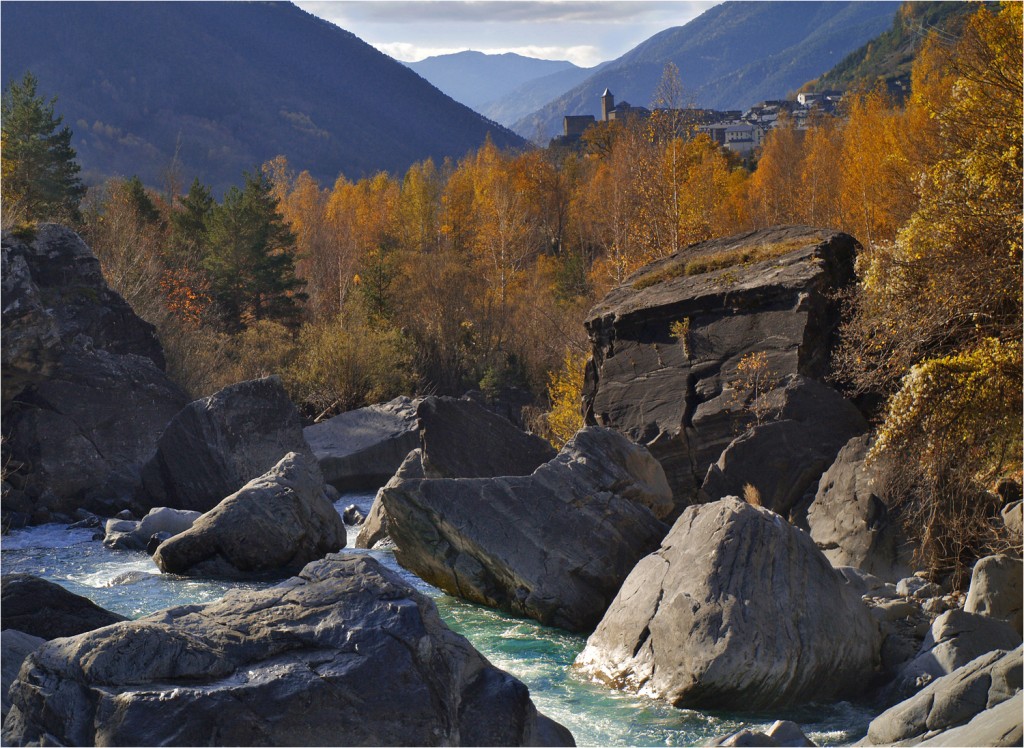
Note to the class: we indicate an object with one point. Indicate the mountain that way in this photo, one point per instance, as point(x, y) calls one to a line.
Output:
point(475, 78)
point(890, 56)
point(229, 85)
point(729, 57)
point(530, 96)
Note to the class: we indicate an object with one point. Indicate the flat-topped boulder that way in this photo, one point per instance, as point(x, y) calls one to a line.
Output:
point(85, 396)
point(217, 444)
point(554, 545)
point(668, 344)
point(346, 653)
point(45, 609)
point(273, 525)
point(362, 448)
point(737, 610)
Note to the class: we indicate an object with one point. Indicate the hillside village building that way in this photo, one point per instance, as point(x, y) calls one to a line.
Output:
point(740, 132)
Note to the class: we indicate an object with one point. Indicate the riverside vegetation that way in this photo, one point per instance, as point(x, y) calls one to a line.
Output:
point(477, 273)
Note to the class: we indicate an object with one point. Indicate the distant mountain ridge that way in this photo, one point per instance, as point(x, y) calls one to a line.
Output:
point(729, 57)
point(476, 78)
point(229, 85)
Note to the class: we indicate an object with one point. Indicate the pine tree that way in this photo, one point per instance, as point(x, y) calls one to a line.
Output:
point(40, 176)
point(251, 259)
point(188, 241)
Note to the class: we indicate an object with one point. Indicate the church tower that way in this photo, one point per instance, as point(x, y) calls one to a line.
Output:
point(607, 105)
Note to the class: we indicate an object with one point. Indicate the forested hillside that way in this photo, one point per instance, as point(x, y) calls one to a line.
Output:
point(889, 57)
point(732, 56)
point(214, 88)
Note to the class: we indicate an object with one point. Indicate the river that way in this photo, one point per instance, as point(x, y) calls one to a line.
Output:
point(539, 656)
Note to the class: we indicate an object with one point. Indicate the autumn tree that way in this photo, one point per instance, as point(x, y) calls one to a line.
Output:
point(937, 323)
point(40, 175)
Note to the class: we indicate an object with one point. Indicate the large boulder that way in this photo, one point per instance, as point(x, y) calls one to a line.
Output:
point(737, 610)
point(667, 345)
point(345, 654)
point(15, 646)
point(47, 610)
point(851, 523)
point(554, 545)
point(459, 439)
point(85, 396)
point(129, 535)
point(275, 524)
point(955, 638)
point(362, 448)
point(215, 445)
point(806, 424)
point(462, 439)
point(975, 690)
point(997, 589)
point(375, 527)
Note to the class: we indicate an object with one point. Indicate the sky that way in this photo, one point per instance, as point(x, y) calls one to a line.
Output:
point(585, 32)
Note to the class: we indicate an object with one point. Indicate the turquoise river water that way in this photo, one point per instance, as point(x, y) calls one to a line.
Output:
point(541, 657)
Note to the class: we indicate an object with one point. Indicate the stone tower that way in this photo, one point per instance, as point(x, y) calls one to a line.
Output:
point(607, 105)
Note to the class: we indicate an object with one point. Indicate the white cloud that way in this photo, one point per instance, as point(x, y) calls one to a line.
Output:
point(582, 55)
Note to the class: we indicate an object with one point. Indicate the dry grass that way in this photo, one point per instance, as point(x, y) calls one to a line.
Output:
point(720, 260)
point(751, 495)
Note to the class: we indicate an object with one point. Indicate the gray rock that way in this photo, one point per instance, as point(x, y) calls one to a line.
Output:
point(216, 445)
point(15, 646)
point(84, 392)
point(375, 528)
point(347, 653)
point(1013, 519)
point(787, 733)
point(553, 546)
point(746, 738)
point(917, 587)
point(851, 523)
point(809, 423)
point(950, 701)
point(676, 399)
point(736, 610)
point(955, 638)
point(997, 588)
point(273, 525)
point(462, 439)
point(352, 516)
point(121, 534)
point(998, 726)
point(47, 610)
point(362, 448)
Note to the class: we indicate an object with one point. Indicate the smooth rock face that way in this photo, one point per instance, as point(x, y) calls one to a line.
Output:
point(85, 396)
point(997, 589)
point(851, 524)
point(553, 546)
point(15, 646)
point(736, 610)
point(47, 610)
point(126, 534)
point(362, 448)
point(217, 444)
point(1001, 725)
point(274, 524)
point(782, 458)
point(462, 439)
point(375, 528)
point(956, 637)
point(952, 700)
point(677, 400)
point(345, 654)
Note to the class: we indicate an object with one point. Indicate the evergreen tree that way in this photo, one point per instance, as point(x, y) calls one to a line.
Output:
point(140, 200)
point(188, 242)
point(251, 259)
point(40, 176)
